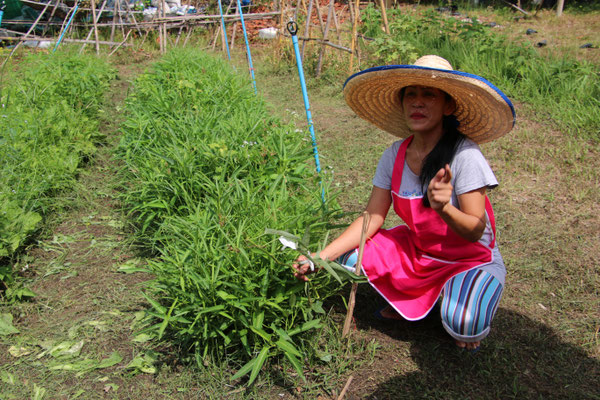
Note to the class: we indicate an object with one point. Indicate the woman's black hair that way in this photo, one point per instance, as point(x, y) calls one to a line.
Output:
point(443, 153)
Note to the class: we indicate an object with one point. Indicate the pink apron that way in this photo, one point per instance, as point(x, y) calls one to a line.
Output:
point(410, 264)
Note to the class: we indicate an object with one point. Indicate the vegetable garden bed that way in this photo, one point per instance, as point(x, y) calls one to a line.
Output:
point(208, 171)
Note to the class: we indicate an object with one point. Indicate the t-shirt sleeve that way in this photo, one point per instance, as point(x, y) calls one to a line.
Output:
point(471, 169)
point(385, 167)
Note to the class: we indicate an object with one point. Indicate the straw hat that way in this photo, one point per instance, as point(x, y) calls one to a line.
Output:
point(484, 112)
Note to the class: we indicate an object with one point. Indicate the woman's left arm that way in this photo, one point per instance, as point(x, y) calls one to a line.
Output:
point(468, 221)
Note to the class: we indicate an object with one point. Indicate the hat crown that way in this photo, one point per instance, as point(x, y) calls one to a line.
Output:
point(433, 61)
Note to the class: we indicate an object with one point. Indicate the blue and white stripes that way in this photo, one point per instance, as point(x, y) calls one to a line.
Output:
point(469, 303)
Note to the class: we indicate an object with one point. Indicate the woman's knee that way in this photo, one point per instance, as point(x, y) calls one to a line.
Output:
point(469, 303)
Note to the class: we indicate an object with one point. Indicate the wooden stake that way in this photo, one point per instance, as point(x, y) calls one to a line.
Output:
point(559, 7)
point(354, 29)
point(120, 44)
point(187, 37)
point(345, 389)
point(320, 18)
point(95, 28)
point(114, 22)
point(384, 16)
point(233, 35)
point(352, 299)
point(329, 18)
point(50, 18)
point(307, 27)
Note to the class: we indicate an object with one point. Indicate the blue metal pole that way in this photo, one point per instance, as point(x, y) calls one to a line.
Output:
point(293, 29)
point(66, 27)
point(247, 45)
point(224, 31)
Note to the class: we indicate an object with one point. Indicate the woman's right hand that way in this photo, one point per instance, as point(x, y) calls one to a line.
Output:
point(302, 267)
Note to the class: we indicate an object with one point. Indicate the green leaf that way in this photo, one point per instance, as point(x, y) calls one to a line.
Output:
point(244, 370)
point(296, 364)
point(260, 360)
point(6, 326)
point(288, 347)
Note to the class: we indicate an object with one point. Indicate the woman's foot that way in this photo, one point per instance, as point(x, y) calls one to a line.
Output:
point(471, 346)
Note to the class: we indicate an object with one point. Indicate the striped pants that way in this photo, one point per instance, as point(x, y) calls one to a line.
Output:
point(469, 301)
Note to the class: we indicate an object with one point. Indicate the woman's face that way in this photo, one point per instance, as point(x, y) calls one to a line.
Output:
point(424, 108)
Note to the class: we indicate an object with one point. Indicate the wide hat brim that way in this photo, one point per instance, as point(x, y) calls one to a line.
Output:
point(483, 111)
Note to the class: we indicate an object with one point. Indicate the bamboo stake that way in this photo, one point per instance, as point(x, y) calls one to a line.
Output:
point(96, 19)
point(282, 6)
point(307, 28)
point(187, 37)
point(384, 15)
point(559, 7)
point(120, 18)
point(337, 25)
point(345, 389)
point(164, 26)
point(120, 44)
point(179, 35)
point(50, 18)
point(22, 39)
point(95, 26)
point(361, 248)
point(320, 18)
point(327, 24)
point(114, 22)
point(354, 29)
point(233, 35)
point(144, 39)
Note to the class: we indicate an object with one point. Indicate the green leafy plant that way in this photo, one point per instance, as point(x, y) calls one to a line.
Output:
point(48, 128)
point(208, 172)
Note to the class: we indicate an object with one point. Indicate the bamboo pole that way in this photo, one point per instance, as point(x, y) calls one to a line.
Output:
point(307, 28)
point(354, 29)
point(233, 35)
point(50, 18)
point(95, 28)
point(114, 22)
point(345, 389)
point(120, 44)
point(361, 248)
point(164, 26)
point(384, 17)
point(559, 7)
point(320, 18)
point(327, 24)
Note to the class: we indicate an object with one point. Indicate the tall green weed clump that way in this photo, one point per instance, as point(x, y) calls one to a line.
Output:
point(565, 90)
point(208, 171)
point(48, 126)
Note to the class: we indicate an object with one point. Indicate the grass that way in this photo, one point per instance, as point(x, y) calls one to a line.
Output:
point(544, 342)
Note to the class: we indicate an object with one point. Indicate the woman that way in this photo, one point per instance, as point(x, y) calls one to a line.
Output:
point(436, 179)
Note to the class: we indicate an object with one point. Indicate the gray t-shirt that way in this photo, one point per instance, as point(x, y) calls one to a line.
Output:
point(470, 171)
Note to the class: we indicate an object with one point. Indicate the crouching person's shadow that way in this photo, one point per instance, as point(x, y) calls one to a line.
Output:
point(521, 359)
